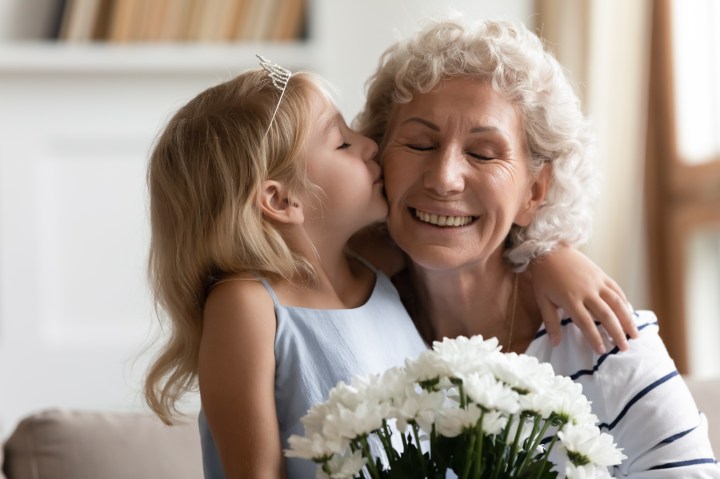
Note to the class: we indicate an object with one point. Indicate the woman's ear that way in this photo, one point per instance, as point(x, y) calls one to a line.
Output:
point(276, 204)
point(536, 195)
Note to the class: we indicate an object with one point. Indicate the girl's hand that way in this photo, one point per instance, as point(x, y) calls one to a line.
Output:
point(567, 279)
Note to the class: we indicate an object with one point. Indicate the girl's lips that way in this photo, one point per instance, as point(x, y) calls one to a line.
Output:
point(442, 220)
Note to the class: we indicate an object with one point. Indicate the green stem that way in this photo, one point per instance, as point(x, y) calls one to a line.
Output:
point(503, 442)
point(533, 440)
point(370, 463)
point(433, 444)
point(385, 438)
point(417, 444)
point(468, 455)
point(463, 398)
point(404, 442)
point(541, 434)
point(547, 456)
point(516, 440)
point(478, 461)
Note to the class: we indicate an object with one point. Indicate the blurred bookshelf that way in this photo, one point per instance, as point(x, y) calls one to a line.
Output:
point(207, 21)
point(158, 35)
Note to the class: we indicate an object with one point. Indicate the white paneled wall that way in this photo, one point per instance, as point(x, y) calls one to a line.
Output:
point(76, 125)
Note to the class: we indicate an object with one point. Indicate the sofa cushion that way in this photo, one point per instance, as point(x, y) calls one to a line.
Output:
point(706, 393)
point(66, 444)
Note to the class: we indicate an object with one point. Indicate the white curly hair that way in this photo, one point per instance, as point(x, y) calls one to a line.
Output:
point(514, 61)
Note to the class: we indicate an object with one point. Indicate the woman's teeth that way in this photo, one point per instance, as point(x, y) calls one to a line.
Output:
point(441, 220)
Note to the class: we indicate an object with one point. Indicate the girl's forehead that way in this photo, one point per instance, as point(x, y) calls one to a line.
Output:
point(323, 109)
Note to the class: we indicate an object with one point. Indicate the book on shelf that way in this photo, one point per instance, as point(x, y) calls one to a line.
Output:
point(289, 21)
point(125, 20)
point(175, 23)
point(84, 20)
point(213, 21)
point(181, 20)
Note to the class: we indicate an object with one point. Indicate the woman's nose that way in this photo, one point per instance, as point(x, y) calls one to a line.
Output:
point(444, 174)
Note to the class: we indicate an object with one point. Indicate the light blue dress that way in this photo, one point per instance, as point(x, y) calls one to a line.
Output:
point(317, 348)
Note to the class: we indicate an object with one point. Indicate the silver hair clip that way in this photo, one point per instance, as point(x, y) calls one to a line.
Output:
point(279, 77)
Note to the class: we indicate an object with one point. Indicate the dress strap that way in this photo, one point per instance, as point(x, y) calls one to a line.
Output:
point(362, 260)
point(270, 290)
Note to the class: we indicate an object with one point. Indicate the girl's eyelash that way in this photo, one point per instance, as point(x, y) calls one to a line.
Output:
point(344, 146)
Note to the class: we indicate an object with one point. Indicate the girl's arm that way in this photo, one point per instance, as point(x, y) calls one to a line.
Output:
point(236, 372)
point(567, 279)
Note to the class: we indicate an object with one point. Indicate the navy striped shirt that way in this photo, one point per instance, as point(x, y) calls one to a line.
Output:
point(639, 398)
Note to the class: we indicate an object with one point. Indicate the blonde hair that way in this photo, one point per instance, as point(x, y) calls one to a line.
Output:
point(515, 63)
point(204, 172)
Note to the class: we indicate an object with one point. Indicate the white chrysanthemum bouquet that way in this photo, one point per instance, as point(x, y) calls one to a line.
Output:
point(464, 407)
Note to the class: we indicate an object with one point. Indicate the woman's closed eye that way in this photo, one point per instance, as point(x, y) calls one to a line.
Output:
point(420, 147)
point(344, 146)
point(479, 156)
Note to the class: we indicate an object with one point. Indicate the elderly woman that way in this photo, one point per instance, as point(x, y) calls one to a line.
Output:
point(487, 165)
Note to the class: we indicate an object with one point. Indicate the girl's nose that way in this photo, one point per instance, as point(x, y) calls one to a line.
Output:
point(370, 149)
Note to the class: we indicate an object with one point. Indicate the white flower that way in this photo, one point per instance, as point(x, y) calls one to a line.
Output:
point(452, 422)
point(493, 422)
point(419, 406)
point(588, 471)
point(353, 423)
point(427, 367)
point(315, 418)
point(350, 395)
point(392, 384)
point(490, 393)
point(565, 398)
point(315, 446)
point(522, 372)
point(496, 388)
point(586, 444)
point(466, 355)
point(345, 466)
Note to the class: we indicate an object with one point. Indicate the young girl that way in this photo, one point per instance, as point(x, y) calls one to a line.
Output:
point(256, 186)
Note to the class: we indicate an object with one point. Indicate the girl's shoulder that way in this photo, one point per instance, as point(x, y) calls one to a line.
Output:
point(238, 298)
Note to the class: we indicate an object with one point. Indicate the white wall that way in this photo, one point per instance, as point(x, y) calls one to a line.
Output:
point(350, 49)
point(76, 127)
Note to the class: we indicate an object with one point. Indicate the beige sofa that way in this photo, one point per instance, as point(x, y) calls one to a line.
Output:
point(707, 396)
point(62, 444)
point(65, 444)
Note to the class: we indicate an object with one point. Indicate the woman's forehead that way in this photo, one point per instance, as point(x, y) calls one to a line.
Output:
point(472, 102)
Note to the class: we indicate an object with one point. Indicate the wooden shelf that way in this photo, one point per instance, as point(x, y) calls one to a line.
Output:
point(47, 57)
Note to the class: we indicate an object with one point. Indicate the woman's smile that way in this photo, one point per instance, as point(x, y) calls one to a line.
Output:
point(445, 221)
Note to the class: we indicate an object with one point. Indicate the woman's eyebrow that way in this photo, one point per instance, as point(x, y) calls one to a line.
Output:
point(434, 127)
point(422, 121)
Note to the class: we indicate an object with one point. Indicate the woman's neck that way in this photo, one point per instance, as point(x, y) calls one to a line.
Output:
point(482, 299)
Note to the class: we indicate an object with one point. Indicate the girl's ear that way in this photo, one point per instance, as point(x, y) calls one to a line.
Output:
point(276, 204)
point(536, 195)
